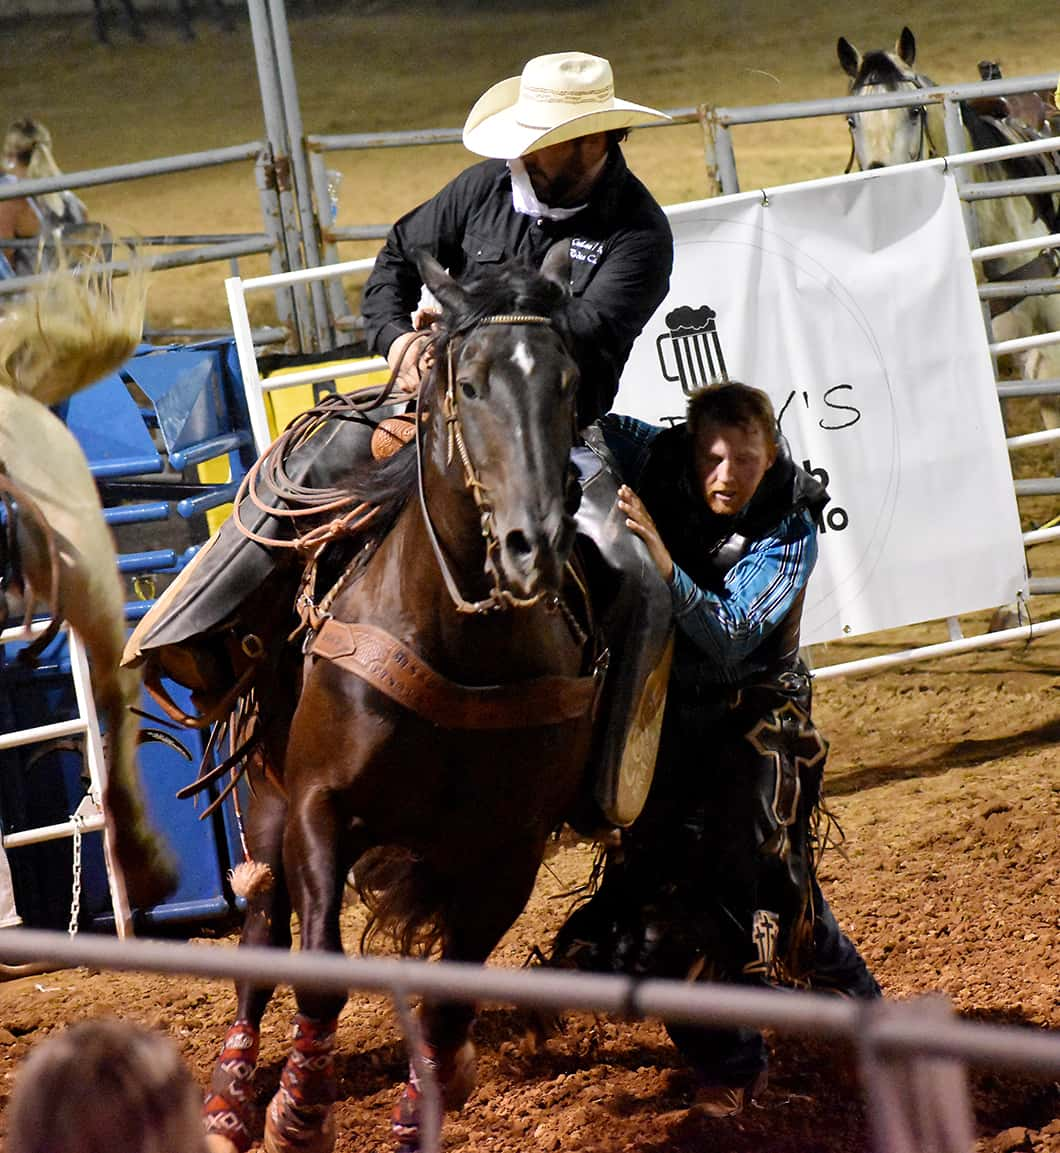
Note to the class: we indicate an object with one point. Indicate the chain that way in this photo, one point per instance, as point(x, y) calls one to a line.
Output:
point(75, 896)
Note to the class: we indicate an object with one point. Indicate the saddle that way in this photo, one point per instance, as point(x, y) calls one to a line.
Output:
point(1036, 111)
point(1016, 119)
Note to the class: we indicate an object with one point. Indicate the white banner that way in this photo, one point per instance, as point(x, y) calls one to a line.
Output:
point(852, 302)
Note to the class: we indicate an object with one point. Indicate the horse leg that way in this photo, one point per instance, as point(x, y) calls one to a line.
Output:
point(229, 1115)
point(101, 22)
point(472, 930)
point(299, 1117)
point(224, 16)
point(187, 28)
point(135, 26)
point(1044, 364)
point(142, 859)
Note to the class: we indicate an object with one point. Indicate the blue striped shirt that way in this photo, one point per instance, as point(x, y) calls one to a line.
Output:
point(759, 590)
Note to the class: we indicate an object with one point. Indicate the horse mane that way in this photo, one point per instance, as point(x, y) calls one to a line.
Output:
point(509, 289)
point(70, 331)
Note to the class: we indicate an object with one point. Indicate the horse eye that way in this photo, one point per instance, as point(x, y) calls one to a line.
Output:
point(916, 113)
point(851, 123)
point(468, 389)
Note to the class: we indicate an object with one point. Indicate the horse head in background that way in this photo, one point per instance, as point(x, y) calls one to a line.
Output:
point(444, 703)
point(884, 137)
point(57, 550)
point(889, 136)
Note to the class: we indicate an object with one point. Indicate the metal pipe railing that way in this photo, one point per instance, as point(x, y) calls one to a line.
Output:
point(116, 174)
point(812, 1014)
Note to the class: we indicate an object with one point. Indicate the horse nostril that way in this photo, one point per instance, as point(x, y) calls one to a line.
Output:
point(517, 544)
point(875, 164)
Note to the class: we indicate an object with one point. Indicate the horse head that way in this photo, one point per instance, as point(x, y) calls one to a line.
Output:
point(892, 135)
point(505, 385)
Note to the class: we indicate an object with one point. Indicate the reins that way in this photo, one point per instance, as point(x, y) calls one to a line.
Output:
point(350, 514)
point(500, 597)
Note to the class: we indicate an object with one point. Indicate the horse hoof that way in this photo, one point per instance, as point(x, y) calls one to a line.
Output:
point(291, 1139)
point(458, 1078)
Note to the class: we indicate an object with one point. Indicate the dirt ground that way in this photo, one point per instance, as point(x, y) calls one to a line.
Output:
point(945, 776)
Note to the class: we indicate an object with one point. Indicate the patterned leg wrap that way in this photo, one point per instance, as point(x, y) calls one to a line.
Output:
point(454, 1074)
point(299, 1115)
point(229, 1102)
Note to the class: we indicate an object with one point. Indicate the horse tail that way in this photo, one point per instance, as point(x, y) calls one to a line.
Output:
point(71, 330)
point(407, 902)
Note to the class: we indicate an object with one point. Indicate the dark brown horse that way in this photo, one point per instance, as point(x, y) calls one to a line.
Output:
point(440, 737)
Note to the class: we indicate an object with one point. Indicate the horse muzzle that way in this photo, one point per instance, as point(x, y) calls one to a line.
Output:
point(530, 563)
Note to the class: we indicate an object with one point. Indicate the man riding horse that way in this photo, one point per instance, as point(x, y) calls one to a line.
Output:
point(555, 175)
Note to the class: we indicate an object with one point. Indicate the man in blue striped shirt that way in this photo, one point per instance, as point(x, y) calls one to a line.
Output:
point(717, 876)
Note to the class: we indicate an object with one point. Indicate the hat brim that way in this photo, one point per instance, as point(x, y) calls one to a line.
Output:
point(492, 130)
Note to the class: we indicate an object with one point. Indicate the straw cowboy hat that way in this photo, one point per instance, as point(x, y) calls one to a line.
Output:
point(558, 97)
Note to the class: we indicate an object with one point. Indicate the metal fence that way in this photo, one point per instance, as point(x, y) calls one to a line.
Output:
point(899, 1045)
point(194, 249)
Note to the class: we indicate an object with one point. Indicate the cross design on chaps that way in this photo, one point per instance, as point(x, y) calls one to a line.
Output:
point(786, 736)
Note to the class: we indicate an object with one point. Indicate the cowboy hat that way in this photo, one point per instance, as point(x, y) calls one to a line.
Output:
point(558, 97)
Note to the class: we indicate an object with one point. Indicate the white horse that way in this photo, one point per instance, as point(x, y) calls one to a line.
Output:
point(899, 135)
point(68, 333)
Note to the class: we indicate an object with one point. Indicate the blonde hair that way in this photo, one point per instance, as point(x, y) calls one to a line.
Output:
point(105, 1085)
point(71, 330)
point(32, 143)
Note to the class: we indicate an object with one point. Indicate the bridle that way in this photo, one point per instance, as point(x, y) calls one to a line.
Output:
point(924, 137)
point(501, 598)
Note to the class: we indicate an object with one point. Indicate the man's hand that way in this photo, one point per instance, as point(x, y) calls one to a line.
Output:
point(409, 361)
point(425, 318)
point(640, 524)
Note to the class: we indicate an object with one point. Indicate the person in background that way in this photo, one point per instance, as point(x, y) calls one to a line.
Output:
point(717, 877)
point(101, 1086)
point(18, 221)
point(27, 155)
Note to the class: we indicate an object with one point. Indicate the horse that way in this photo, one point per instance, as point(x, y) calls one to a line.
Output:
point(442, 724)
point(184, 9)
point(899, 135)
point(56, 549)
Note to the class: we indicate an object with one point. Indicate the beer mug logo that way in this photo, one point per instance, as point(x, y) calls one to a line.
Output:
point(690, 351)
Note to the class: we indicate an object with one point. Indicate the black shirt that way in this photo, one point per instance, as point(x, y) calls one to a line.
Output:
point(621, 258)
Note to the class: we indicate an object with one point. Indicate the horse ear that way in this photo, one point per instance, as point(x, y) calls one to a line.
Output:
point(445, 289)
point(849, 57)
point(906, 47)
point(556, 265)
